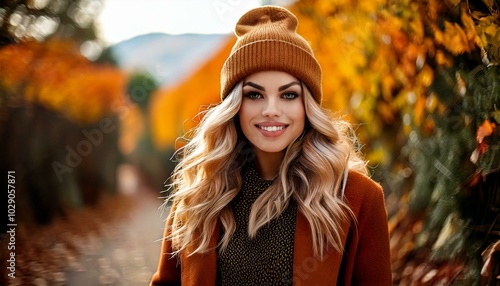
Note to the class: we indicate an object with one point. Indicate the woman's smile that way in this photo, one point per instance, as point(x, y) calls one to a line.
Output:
point(271, 129)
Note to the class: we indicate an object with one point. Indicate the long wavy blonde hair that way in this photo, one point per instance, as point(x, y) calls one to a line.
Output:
point(208, 177)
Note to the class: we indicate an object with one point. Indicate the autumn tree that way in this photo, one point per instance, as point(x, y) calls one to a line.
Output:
point(154, 163)
point(26, 20)
point(58, 119)
point(421, 77)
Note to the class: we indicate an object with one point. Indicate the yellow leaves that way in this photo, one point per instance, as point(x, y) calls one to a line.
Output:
point(488, 35)
point(419, 110)
point(380, 50)
point(432, 9)
point(425, 77)
point(325, 8)
point(388, 85)
point(166, 126)
point(370, 6)
point(454, 39)
point(409, 59)
point(174, 110)
point(443, 59)
point(491, 31)
point(132, 127)
point(386, 111)
point(464, 37)
point(431, 102)
point(376, 157)
point(373, 54)
point(470, 27)
point(344, 48)
point(352, 62)
point(418, 29)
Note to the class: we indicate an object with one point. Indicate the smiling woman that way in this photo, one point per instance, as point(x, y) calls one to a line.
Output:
point(271, 117)
point(270, 189)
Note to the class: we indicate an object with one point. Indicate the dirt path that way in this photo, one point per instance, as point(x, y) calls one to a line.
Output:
point(114, 243)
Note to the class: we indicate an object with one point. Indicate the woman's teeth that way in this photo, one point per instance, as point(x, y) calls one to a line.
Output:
point(272, 128)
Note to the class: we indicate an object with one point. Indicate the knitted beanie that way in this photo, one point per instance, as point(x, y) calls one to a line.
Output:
point(267, 41)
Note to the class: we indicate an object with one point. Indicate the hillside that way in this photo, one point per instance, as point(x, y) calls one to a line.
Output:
point(169, 58)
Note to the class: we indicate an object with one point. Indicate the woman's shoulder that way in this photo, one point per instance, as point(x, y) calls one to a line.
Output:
point(358, 180)
point(361, 189)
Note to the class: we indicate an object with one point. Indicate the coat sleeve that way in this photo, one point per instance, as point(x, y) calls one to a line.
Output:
point(168, 272)
point(372, 265)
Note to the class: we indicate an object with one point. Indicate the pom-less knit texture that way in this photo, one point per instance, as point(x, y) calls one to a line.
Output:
point(267, 40)
point(266, 259)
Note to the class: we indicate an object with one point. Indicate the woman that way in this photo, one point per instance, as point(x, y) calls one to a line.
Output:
point(270, 189)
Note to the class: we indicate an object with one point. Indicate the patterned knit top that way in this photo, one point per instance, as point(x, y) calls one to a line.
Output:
point(266, 259)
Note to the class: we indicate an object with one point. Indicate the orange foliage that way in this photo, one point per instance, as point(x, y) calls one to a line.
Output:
point(173, 111)
point(378, 59)
point(132, 126)
point(55, 75)
point(484, 130)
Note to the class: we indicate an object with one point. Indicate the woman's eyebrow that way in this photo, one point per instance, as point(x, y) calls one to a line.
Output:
point(281, 88)
point(254, 85)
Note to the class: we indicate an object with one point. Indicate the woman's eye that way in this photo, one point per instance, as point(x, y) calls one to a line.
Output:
point(253, 95)
point(290, 95)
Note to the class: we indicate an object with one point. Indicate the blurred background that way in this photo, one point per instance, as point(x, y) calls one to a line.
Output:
point(95, 93)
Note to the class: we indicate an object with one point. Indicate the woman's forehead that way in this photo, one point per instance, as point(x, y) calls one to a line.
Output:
point(270, 77)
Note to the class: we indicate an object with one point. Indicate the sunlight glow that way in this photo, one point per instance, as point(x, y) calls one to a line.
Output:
point(123, 19)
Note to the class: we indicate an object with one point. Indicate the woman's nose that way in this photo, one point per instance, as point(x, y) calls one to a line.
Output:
point(271, 107)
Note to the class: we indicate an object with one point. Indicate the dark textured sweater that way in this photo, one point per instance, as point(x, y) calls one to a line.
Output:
point(266, 259)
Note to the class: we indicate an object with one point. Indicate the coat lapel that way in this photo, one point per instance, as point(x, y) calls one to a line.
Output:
point(201, 268)
point(307, 269)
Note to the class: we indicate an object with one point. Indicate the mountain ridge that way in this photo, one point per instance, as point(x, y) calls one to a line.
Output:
point(168, 58)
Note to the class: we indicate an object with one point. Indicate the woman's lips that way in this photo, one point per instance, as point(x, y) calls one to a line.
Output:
point(272, 130)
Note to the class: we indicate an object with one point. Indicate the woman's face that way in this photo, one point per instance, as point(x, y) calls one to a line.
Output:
point(272, 110)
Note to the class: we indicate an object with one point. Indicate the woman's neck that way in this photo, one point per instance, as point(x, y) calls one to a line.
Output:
point(268, 164)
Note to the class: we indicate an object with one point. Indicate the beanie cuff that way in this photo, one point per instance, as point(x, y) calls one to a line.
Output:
point(271, 55)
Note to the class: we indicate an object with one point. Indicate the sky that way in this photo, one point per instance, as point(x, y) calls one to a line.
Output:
point(123, 19)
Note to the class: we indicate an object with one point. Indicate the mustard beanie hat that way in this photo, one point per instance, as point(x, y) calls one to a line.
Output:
point(267, 41)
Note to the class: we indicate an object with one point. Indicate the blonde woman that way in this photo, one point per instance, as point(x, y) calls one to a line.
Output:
point(270, 190)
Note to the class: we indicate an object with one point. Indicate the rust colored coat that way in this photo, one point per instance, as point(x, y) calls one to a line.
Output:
point(366, 258)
